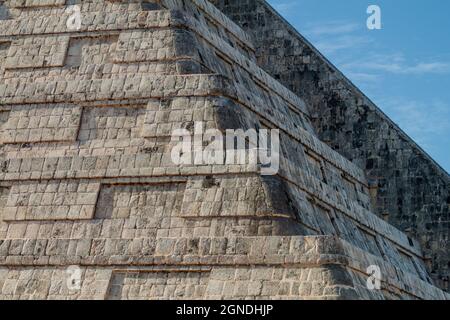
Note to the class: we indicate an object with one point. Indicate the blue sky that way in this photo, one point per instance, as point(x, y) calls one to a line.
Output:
point(404, 67)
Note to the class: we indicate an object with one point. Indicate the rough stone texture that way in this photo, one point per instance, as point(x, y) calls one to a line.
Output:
point(86, 176)
point(409, 189)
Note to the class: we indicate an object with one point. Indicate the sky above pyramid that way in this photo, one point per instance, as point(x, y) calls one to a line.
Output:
point(404, 67)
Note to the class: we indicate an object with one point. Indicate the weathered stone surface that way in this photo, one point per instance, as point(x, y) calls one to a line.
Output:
point(87, 177)
point(409, 189)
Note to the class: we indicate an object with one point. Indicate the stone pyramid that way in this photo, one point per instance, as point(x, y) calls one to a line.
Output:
point(92, 205)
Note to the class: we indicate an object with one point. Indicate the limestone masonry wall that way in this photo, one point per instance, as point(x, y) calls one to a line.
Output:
point(409, 189)
point(87, 178)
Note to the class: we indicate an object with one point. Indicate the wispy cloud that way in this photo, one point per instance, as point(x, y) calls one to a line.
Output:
point(342, 39)
point(363, 77)
point(285, 8)
point(385, 70)
point(334, 44)
point(364, 67)
point(332, 36)
point(424, 122)
point(332, 28)
point(397, 64)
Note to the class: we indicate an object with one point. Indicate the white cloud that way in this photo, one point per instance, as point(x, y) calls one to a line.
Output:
point(397, 64)
point(336, 37)
point(371, 65)
point(331, 28)
point(332, 36)
point(331, 45)
point(285, 8)
point(424, 122)
point(362, 77)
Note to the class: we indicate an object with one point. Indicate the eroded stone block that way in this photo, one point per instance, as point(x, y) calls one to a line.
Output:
point(41, 123)
point(52, 200)
point(34, 3)
point(37, 52)
point(111, 123)
point(157, 285)
point(140, 201)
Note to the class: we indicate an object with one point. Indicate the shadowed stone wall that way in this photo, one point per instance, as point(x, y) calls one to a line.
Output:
point(409, 189)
